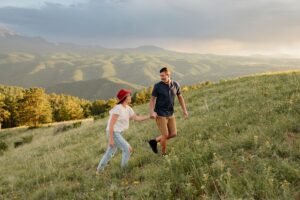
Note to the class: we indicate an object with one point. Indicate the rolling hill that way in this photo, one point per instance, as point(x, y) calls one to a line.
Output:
point(35, 62)
point(93, 89)
point(240, 142)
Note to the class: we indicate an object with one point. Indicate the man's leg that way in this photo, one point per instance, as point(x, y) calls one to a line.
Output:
point(163, 128)
point(172, 127)
point(172, 130)
point(169, 133)
point(163, 143)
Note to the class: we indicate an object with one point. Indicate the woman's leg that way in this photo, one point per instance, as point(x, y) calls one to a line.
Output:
point(124, 146)
point(109, 153)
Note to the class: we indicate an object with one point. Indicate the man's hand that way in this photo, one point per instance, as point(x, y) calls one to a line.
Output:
point(153, 115)
point(185, 114)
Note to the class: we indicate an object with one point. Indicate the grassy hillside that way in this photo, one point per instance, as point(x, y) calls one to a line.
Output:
point(138, 66)
point(241, 142)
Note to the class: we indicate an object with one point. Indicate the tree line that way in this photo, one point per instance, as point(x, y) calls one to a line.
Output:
point(33, 107)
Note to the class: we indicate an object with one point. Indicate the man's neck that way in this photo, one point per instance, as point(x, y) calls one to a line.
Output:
point(168, 82)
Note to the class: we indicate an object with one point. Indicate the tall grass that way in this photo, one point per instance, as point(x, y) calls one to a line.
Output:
point(240, 142)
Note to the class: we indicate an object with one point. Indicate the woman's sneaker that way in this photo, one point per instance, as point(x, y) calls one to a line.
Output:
point(153, 145)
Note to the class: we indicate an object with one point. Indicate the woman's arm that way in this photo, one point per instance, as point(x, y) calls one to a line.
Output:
point(111, 129)
point(140, 118)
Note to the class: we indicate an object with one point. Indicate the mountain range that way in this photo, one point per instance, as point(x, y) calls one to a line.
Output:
point(95, 72)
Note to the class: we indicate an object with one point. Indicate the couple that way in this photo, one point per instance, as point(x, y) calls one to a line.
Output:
point(161, 109)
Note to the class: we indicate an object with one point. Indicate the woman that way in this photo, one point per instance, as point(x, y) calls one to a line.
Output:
point(119, 122)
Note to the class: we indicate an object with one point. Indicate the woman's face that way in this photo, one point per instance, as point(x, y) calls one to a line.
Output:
point(128, 99)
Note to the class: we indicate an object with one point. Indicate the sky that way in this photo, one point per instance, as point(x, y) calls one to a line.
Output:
point(241, 27)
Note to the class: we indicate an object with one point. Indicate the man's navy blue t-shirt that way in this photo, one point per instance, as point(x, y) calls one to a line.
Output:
point(165, 95)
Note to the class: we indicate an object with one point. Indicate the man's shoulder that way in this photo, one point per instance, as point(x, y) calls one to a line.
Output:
point(158, 84)
point(175, 83)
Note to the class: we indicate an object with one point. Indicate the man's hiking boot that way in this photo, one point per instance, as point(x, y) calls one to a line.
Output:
point(153, 145)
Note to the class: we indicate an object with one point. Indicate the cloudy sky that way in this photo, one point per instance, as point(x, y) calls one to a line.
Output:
point(203, 26)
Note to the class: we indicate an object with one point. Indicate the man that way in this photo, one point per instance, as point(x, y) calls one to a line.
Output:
point(162, 109)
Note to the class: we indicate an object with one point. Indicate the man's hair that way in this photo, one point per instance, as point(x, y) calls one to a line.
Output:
point(164, 69)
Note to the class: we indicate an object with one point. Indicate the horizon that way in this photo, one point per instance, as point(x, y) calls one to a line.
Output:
point(267, 27)
point(177, 50)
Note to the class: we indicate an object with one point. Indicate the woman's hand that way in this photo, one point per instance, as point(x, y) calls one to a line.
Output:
point(153, 115)
point(111, 143)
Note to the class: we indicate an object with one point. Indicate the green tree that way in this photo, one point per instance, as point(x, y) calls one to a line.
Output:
point(87, 107)
point(98, 107)
point(67, 107)
point(110, 104)
point(142, 97)
point(12, 106)
point(35, 107)
point(70, 110)
point(4, 114)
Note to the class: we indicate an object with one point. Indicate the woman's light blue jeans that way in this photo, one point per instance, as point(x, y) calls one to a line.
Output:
point(120, 143)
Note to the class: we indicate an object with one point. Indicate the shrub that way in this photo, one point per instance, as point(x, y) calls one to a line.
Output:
point(27, 139)
point(3, 146)
point(64, 128)
point(23, 140)
point(18, 143)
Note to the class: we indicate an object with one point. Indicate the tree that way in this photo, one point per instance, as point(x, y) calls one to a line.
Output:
point(142, 97)
point(4, 114)
point(35, 107)
point(12, 106)
point(110, 104)
point(98, 107)
point(70, 110)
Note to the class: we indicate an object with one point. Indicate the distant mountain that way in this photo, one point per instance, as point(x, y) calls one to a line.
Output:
point(4, 32)
point(93, 89)
point(145, 49)
point(96, 72)
point(13, 42)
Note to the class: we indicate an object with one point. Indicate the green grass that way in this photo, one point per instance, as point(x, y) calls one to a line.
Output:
point(240, 142)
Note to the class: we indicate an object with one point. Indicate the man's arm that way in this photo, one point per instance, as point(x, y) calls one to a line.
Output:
point(183, 106)
point(151, 107)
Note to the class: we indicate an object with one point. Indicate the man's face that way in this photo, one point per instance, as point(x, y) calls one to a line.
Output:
point(165, 77)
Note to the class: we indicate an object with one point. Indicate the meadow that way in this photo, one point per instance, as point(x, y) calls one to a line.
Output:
point(241, 141)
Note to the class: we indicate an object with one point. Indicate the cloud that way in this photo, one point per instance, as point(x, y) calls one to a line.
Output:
point(37, 3)
point(124, 22)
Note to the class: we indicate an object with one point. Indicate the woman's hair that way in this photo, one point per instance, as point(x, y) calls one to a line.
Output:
point(123, 100)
